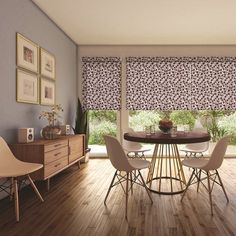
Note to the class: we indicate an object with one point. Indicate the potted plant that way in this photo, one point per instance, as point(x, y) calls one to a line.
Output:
point(82, 127)
point(52, 130)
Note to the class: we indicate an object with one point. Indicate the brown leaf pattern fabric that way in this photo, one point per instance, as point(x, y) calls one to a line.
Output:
point(180, 83)
point(101, 83)
point(213, 86)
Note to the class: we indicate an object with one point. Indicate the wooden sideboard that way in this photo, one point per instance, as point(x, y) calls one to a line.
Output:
point(55, 155)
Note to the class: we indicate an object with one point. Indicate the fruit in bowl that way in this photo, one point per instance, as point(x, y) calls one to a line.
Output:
point(165, 125)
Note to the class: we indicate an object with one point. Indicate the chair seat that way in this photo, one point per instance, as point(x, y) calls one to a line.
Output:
point(18, 168)
point(139, 164)
point(194, 163)
point(196, 147)
point(136, 150)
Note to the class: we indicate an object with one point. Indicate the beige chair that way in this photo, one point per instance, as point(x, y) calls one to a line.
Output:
point(10, 167)
point(122, 164)
point(134, 149)
point(209, 168)
point(196, 149)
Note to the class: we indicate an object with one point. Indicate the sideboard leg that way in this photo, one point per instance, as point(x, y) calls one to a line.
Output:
point(78, 164)
point(48, 184)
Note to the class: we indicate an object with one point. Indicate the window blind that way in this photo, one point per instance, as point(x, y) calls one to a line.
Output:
point(157, 84)
point(181, 83)
point(101, 83)
point(213, 84)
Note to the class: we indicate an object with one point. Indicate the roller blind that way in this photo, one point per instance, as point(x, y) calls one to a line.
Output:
point(180, 83)
point(101, 83)
point(213, 84)
point(157, 84)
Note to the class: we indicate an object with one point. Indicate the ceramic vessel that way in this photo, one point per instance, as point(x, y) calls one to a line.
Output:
point(51, 132)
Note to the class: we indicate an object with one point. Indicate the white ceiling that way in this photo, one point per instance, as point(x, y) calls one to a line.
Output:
point(144, 22)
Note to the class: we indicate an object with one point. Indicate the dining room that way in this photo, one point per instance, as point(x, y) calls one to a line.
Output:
point(117, 118)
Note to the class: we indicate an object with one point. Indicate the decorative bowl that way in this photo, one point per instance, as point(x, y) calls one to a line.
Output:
point(165, 129)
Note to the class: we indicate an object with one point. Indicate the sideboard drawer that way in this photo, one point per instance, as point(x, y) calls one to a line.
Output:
point(58, 144)
point(55, 166)
point(55, 154)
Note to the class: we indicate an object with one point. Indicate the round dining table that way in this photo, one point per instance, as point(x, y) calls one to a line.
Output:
point(165, 174)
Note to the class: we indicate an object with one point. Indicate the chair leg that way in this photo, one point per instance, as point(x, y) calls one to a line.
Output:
point(145, 186)
point(209, 191)
point(110, 187)
point(16, 198)
point(221, 184)
point(127, 194)
point(35, 189)
point(188, 184)
point(199, 179)
point(11, 189)
point(131, 182)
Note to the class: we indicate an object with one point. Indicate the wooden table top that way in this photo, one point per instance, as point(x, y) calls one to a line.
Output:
point(182, 137)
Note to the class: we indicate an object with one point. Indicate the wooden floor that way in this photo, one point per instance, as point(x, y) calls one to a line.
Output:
point(74, 206)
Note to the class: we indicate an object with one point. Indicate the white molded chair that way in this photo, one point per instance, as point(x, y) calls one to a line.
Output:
point(196, 149)
point(134, 149)
point(121, 163)
point(10, 167)
point(209, 168)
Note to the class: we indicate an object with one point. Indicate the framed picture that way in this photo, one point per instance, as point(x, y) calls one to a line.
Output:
point(27, 53)
point(47, 62)
point(27, 87)
point(47, 92)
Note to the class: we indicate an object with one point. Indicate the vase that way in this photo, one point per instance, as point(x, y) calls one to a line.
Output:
point(51, 132)
point(165, 125)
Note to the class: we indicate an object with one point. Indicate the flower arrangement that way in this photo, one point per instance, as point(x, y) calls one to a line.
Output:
point(53, 115)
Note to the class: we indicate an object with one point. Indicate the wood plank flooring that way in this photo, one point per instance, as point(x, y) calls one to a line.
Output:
point(74, 206)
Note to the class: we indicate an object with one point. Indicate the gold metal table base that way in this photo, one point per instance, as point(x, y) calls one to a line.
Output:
point(166, 175)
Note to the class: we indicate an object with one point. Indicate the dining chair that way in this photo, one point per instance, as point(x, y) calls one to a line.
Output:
point(196, 149)
point(134, 149)
point(209, 168)
point(122, 164)
point(12, 168)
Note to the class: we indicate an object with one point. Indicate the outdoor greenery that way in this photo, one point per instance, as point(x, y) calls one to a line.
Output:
point(218, 123)
point(138, 120)
point(101, 123)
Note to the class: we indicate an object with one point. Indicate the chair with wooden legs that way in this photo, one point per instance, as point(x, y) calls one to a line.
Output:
point(209, 168)
point(12, 168)
point(122, 164)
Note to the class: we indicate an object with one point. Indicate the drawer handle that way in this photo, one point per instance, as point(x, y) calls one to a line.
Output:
point(57, 165)
point(56, 154)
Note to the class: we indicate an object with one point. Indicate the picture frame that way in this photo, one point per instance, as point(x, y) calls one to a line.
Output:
point(27, 87)
point(27, 53)
point(47, 64)
point(47, 92)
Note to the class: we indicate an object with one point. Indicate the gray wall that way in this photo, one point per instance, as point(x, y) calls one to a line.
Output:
point(25, 17)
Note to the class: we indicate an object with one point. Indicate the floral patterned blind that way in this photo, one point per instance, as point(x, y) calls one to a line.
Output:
point(101, 83)
point(180, 83)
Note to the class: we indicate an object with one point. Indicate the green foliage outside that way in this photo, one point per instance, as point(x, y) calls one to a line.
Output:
point(212, 119)
point(183, 118)
point(228, 124)
point(101, 123)
point(141, 119)
point(218, 123)
point(101, 115)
